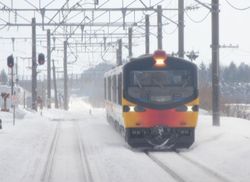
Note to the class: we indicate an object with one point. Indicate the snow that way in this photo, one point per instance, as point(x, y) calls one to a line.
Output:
point(25, 147)
point(224, 148)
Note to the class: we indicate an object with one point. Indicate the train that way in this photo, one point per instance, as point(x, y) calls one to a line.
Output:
point(153, 101)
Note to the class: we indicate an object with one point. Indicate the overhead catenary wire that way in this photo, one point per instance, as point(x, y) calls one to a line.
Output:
point(58, 12)
point(237, 8)
point(137, 21)
point(30, 3)
point(134, 30)
point(197, 21)
point(102, 4)
point(80, 24)
point(64, 18)
point(172, 32)
point(120, 17)
point(107, 35)
point(118, 20)
point(138, 27)
point(49, 3)
point(90, 20)
point(3, 27)
point(71, 52)
point(37, 8)
point(4, 21)
point(5, 6)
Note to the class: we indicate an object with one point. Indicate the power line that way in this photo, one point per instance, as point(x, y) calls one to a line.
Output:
point(237, 8)
point(72, 17)
point(197, 21)
point(58, 11)
point(3, 27)
point(49, 3)
point(137, 21)
point(85, 9)
point(66, 16)
point(30, 3)
point(172, 32)
point(76, 25)
point(80, 25)
point(110, 34)
point(4, 21)
point(5, 7)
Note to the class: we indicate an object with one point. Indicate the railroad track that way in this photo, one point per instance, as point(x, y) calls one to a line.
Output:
point(204, 168)
point(166, 168)
point(185, 169)
point(48, 166)
point(78, 148)
point(84, 158)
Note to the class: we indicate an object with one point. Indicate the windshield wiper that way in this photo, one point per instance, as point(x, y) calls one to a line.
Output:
point(158, 83)
point(138, 82)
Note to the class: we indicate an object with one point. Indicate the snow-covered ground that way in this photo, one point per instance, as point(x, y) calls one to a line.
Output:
point(76, 146)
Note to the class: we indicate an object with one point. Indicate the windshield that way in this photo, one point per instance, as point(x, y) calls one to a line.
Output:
point(160, 87)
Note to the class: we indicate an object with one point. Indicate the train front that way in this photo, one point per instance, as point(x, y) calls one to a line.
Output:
point(160, 102)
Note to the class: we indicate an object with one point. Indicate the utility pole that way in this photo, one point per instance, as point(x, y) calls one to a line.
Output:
point(55, 87)
point(13, 95)
point(12, 81)
point(13, 43)
point(65, 76)
point(181, 28)
point(147, 34)
point(24, 99)
point(117, 57)
point(159, 26)
point(119, 52)
point(105, 43)
point(215, 60)
point(17, 79)
point(215, 63)
point(10, 64)
point(48, 69)
point(34, 65)
point(130, 32)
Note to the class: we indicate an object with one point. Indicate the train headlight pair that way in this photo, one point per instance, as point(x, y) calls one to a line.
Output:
point(133, 109)
point(184, 108)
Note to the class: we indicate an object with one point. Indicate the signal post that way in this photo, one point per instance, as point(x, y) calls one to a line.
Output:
point(34, 65)
point(10, 63)
point(41, 60)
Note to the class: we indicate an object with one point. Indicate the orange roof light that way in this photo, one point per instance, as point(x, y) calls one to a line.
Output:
point(160, 58)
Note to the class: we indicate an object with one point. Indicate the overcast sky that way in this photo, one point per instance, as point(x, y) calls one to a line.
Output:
point(234, 29)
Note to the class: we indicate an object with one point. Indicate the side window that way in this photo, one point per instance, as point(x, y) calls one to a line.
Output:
point(105, 91)
point(109, 88)
point(114, 99)
point(120, 89)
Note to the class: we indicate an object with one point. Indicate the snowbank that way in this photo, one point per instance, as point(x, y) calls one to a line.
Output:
point(24, 147)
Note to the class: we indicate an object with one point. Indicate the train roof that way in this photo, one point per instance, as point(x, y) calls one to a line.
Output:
point(118, 69)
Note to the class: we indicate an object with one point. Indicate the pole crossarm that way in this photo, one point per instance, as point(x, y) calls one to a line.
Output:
point(93, 44)
point(97, 24)
point(84, 9)
point(74, 36)
point(95, 34)
point(230, 46)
